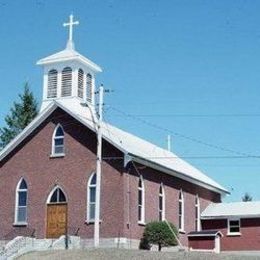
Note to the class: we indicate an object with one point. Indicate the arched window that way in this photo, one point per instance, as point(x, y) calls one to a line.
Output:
point(58, 141)
point(57, 196)
point(21, 202)
point(52, 84)
point(80, 83)
point(91, 204)
point(197, 213)
point(141, 201)
point(181, 211)
point(89, 87)
point(161, 203)
point(66, 82)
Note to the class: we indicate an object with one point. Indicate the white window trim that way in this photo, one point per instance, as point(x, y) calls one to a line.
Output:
point(142, 220)
point(51, 193)
point(90, 220)
point(162, 195)
point(233, 233)
point(197, 209)
point(17, 190)
point(181, 229)
point(53, 154)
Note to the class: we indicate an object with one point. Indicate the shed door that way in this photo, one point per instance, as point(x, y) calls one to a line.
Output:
point(56, 220)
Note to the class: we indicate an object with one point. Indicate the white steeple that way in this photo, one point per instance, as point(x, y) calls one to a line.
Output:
point(68, 74)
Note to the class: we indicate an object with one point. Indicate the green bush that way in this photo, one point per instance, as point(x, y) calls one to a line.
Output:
point(159, 233)
point(144, 244)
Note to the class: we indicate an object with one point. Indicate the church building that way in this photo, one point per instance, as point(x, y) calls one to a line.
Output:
point(48, 174)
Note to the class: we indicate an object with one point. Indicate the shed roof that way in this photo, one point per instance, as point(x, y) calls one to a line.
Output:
point(232, 209)
point(205, 233)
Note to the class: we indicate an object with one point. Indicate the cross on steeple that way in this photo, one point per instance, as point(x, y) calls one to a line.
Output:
point(70, 25)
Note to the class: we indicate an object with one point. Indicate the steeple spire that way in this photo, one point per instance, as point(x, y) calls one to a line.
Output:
point(70, 43)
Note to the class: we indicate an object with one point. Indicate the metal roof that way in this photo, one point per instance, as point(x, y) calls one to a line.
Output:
point(138, 149)
point(232, 209)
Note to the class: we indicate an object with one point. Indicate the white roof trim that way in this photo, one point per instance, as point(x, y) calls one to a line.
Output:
point(206, 235)
point(27, 130)
point(231, 216)
point(67, 55)
point(177, 174)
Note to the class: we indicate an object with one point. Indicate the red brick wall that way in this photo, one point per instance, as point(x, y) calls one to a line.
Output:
point(32, 161)
point(202, 243)
point(172, 185)
point(248, 240)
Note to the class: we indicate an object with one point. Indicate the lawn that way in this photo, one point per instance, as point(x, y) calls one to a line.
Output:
point(118, 254)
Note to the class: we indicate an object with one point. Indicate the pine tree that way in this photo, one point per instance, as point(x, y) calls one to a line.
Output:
point(21, 114)
point(247, 197)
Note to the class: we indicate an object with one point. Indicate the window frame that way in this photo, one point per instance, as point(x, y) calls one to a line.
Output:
point(17, 207)
point(141, 188)
point(181, 215)
point(161, 202)
point(54, 138)
point(57, 187)
point(197, 213)
point(89, 203)
point(230, 233)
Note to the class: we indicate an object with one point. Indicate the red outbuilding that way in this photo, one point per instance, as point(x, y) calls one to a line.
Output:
point(239, 222)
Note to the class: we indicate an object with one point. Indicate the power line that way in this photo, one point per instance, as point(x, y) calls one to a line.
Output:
point(70, 123)
point(190, 138)
point(197, 115)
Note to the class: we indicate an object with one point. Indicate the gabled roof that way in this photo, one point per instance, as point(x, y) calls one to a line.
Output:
point(69, 54)
point(136, 148)
point(232, 209)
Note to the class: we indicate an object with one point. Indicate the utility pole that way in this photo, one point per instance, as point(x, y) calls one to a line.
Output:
point(98, 169)
point(169, 143)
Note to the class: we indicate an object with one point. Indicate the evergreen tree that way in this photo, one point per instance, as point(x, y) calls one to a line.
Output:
point(21, 114)
point(247, 197)
point(158, 232)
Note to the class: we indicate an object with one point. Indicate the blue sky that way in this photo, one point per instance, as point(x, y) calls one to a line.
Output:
point(191, 67)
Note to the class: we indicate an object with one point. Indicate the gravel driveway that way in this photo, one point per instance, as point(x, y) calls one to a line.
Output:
point(122, 254)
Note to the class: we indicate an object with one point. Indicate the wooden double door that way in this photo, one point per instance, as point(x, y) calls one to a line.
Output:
point(57, 220)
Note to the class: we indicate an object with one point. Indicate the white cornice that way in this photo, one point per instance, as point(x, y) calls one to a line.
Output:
point(69, 55)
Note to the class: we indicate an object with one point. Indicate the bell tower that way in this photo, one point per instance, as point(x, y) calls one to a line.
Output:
point(68, 74)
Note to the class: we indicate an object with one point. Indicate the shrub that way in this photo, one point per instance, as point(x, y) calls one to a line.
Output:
point(144, 244)
point(159, 233)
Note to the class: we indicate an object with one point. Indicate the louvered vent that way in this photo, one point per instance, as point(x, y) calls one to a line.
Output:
point(52, 84)
point(89, 87)
point(80, 83)
point(66, 82)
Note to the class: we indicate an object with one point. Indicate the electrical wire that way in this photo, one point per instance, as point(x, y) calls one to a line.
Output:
point(190, 138)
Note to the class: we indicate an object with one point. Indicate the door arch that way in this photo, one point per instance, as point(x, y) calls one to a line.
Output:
point(57, 210)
